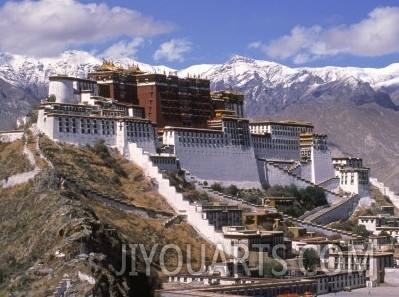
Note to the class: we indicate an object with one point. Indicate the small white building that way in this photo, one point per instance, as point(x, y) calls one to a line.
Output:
point(354, 178)
point(382, 222)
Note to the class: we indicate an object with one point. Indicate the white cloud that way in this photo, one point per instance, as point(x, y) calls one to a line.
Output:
point(48, 27)
point(374, 36)
point(124, 49)
point(255, 45)
point(173, 50)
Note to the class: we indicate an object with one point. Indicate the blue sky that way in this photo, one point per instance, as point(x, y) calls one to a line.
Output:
point(180, 33)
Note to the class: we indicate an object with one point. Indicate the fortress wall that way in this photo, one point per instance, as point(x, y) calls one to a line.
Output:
point(85, 139)
point(148, 145)
point(73, 134)
point(297, 171)
point(275, 148)
point(276, 176)
point(306, 170)
point(323, 168)
point(143, 134)
point(330, 184)
point(341, 212)
point(168, 164)
point(227, 164)
point(332, 198)
point(45, 124)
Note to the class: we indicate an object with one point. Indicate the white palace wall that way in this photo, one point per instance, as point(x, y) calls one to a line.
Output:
point(330, 184)
point(224, 163)
point(89, 130)
point(275, 149)
point(323, 168)
point(276, 176)
point(306, 170)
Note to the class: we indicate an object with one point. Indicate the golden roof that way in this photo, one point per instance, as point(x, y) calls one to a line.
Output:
point(108, 66)
point(134, 69)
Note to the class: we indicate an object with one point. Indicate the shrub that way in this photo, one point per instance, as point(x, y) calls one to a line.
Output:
point(217, 187)
point(272, 268)
point(310, 259)
point(232, 190)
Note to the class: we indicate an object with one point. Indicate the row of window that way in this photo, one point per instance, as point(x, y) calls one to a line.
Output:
point(83, 85)
point(159, 160)
point(102, 127)
point(71, 108)
point(86, 126)
point(280, 130)
point(138, 130)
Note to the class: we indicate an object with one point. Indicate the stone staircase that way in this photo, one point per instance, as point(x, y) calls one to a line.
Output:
point(245, 205)
point(331, 195)
point(294, 166)
point(311, 226)
point(340, 206)
point(182, 207)
point(341, 210)
point(385, 191)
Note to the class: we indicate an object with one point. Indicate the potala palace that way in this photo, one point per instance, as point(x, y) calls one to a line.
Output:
point(163, 122)
point(180, 124)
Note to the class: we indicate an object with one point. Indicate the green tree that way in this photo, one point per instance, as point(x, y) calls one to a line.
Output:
point(217, 187)
point(272, 268)
point(232, 190)
point(361, 230)
point(310, 259)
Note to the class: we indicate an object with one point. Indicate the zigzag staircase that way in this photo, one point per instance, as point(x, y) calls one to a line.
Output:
point(336, 200)
point(182, 207)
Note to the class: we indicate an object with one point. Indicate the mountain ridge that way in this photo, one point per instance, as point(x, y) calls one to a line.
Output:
point(272, 91)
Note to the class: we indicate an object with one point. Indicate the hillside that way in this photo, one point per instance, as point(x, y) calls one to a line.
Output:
point(62, 225)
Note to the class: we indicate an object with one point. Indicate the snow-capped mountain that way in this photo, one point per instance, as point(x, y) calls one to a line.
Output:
point(270, 87)
point(30, 73)
point(356, 107)
point(24, 80)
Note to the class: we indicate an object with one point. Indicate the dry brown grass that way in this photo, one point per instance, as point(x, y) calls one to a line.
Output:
point(12, 159)
point(32, 146)
point(37, 217)
point(148, 231)
point(91, 172)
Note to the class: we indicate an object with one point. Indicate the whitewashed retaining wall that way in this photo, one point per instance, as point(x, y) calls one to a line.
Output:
point(226, 164)
point(330, 184)
point(10, 136)
point(23, 177)
point(341, 212)
point(322, 166)
point(385, 191)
